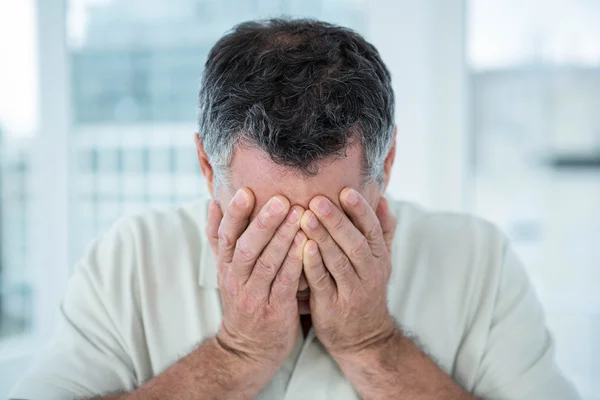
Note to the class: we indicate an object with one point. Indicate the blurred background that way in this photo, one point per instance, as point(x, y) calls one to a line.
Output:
point(498, 113)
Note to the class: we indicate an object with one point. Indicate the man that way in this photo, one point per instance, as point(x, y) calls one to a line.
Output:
point(298, 280)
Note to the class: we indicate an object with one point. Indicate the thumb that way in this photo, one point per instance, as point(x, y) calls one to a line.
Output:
point(387, 221)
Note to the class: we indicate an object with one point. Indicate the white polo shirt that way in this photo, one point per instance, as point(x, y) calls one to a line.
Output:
point(146, 295)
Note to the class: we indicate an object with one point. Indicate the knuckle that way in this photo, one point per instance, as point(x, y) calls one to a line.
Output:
point(232, 212)
point(374, 230)
point(363, 211)
point(322, 280)
point(224, 238)
point(244, 250)
point(278, 296)
point(281, 236)
point(265, 266)
point(361, 251)
point(323, 238)
point(284, 277)
point(262, 223)
point(248, 304)
point(338, 223)
point(294, 255)
point(340, 263)
point(271, 314)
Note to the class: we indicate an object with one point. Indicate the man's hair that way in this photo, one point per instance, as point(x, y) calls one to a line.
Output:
point(300, 90)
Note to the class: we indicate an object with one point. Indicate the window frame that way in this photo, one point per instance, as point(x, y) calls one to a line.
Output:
point(50, 195)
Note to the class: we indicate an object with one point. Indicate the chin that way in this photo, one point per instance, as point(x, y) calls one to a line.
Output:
point(303, 307)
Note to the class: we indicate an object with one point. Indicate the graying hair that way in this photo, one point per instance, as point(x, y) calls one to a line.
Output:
point(300, 90)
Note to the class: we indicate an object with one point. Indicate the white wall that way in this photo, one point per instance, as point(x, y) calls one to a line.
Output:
point(423, 44)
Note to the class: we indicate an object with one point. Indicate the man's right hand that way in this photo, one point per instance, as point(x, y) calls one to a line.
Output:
point(259, 267)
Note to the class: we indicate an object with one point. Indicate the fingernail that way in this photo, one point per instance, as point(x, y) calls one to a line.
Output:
point(323, 206)
point(352, 197)
point(293, 216)
point(241, 198)
point(312, 248)
point(313, 222)
point(276, 206)
point(298, 239)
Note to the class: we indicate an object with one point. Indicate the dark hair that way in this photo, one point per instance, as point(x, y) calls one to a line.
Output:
point(301, 90)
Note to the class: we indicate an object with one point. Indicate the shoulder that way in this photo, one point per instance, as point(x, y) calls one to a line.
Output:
point(144, 244)
point(446, 236)
point(447, 258)
point(158, 228)
point(447, 269)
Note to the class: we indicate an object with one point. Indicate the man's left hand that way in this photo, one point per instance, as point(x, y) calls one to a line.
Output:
point(347, 265)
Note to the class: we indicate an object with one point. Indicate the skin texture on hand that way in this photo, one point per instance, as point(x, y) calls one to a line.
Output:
point(347, 264)
point(259, 265)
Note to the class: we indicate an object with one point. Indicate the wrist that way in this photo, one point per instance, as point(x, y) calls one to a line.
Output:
point(385, 353)
point(374, 371)
point(397, 368)
point(251, 356)
point(245, 362)
point(244, 374)
point(372, 346)
point(210, 371)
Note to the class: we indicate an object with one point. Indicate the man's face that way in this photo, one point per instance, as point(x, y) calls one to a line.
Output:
point(251, 168)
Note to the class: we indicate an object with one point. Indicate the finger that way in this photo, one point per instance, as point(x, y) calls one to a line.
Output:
point(387, 221)
point(352, 242)
point(212, 228)
point(271, 259)
point(363, 217)
point(285, 284)
point(334, 258)
point(234, 221)
point(255, 238)
point(321, 284)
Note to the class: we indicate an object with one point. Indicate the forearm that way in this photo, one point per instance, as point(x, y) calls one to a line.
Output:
point(397, 368)
point(209, 372)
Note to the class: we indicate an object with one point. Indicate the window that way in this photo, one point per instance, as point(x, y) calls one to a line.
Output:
point(535, 73)
point(17, 127)
point(15, 266)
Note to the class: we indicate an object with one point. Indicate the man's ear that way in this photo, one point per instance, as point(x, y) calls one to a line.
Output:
point(207, 169)
point(389, 161)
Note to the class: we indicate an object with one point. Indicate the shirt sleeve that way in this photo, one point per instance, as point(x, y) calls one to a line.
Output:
point(518, 358)
point(88, 355)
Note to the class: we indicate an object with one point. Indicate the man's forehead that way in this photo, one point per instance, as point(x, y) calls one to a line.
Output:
point(251, 168)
